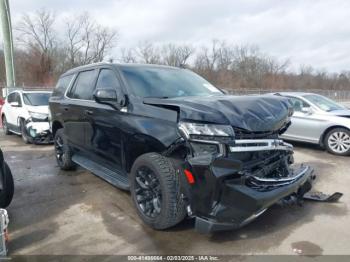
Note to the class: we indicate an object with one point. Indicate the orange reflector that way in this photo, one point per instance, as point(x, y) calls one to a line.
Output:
point(189, 176)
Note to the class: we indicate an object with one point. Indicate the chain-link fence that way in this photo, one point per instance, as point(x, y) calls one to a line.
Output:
point(337, 95)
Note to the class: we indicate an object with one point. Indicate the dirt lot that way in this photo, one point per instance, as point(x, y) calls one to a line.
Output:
point(55, 212)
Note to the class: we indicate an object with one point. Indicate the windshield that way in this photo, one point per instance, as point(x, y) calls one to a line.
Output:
point(36, 99)
point(324, 103)
point(167, 82)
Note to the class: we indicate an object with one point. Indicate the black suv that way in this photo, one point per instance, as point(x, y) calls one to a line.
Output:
point(179, 144)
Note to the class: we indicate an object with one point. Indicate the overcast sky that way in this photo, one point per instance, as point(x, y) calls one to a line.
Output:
point(307, 32)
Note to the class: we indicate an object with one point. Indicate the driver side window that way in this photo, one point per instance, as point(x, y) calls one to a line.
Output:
point(107, 79)
point(298, 104)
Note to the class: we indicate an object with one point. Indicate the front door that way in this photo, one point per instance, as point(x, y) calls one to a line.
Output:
point(305, 125)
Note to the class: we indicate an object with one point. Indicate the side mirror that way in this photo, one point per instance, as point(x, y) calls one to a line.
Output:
point(106, 96)
point(306, 110)
point(14, 104)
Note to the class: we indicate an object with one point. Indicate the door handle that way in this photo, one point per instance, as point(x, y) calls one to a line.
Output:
point(65, 108)
point(89, 112)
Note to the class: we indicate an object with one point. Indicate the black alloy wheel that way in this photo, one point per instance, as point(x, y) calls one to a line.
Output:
point(148, 192)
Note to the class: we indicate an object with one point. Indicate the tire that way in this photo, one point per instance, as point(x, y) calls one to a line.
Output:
point(6, 194)
point(25, 136)
point(63, 151)
point(337, 141)
point(5, 126)
point(172, 206)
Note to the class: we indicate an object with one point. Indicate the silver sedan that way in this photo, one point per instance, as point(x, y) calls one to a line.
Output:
point(319, 120)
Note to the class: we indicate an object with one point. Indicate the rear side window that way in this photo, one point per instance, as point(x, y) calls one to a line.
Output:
point(84, 85)
point(11, 97)
point(62, 85)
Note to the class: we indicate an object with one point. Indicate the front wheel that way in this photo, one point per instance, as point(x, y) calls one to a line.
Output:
point(155, 191)
point(337, 141)
point(25, 136)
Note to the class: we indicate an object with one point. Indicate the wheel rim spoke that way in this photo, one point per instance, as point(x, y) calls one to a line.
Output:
point(339, 142)
point(147, 192)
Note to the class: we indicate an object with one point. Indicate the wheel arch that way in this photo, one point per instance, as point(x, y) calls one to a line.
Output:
point(140, 144)
point(324, 134)
point(55, 126)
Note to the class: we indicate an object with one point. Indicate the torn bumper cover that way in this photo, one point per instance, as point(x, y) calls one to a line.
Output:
point(39, 132)
point(234, 189)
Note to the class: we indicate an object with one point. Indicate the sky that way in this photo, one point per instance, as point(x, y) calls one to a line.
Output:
point(307, 32)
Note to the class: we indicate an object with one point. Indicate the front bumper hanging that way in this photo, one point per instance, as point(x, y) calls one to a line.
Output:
point(225, 197)
point(39, 132)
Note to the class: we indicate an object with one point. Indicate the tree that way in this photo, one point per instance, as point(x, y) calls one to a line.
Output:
point(37, 35)
point(87, 41)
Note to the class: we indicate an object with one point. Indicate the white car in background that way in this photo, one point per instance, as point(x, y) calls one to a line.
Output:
point(319, 120)
point(26, 113)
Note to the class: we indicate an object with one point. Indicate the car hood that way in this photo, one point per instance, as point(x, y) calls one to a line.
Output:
point(39, 109)
point(343, 112)
point(252, 113)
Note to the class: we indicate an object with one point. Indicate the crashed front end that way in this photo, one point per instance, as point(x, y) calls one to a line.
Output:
point(38, 129)
point(237, 175)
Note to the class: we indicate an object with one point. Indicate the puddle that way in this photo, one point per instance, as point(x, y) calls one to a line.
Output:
point(306, 248)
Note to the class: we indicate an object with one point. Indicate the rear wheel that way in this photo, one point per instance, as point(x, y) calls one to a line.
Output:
point(5, 126)
point(337, 141)
point(155, 190)
point(63, 151)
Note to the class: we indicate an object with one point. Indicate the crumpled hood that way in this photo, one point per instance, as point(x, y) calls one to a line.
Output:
point(252, 113)
point(39, 109)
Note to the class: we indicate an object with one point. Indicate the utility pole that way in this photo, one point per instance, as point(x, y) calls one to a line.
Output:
point(8, 42)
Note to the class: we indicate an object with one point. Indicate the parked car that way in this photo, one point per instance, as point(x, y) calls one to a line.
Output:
point(25, 113)
point(180, 145)
point(319, 120)
point(6, 183)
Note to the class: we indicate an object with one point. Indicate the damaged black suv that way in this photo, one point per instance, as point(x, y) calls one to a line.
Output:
point(179, 144)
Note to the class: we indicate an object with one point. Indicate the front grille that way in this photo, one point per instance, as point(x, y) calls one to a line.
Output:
point(245, 134)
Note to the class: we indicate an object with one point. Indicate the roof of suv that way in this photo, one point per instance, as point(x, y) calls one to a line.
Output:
point(91, 66)
point(298, 94)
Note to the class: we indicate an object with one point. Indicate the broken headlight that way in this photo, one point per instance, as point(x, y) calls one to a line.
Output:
point(207, 132)
point(207, 139)
point(38, 117)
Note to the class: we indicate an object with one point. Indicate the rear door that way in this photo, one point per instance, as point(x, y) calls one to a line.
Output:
point(79, 98)
point(14, 111)
point(103, 134)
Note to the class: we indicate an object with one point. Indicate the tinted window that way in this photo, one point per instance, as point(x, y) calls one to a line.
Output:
point(18, 99)
point(83, 86)
point(36, 99)
point(167, 82)
point(62, 85)
point(107, 79)
point(11, 98)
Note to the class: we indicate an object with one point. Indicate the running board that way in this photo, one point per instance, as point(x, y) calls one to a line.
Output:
point(113, 177)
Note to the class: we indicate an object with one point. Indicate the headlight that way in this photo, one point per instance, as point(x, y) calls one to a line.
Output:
point(38, 116)
point(208, 132)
